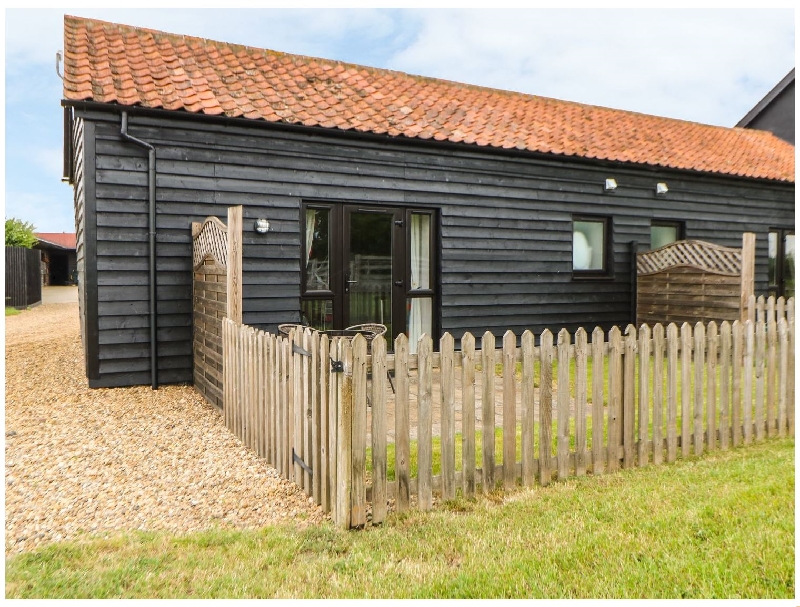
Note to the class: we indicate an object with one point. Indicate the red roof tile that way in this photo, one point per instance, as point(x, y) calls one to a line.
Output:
point(111, 63)
point(62, 239)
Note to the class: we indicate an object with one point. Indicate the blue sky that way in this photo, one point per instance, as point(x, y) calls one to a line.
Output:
point(708, 66)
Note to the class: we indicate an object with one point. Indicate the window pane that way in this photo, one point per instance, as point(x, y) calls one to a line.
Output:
point(420, 251)
point(419, 320)
point(317, 251)
point(588, 245)
point(772, 274)
point(788, 267)
point(318, 313)
point(661, 236)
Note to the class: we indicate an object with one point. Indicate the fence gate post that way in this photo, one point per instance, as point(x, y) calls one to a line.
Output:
point(344, 426)
point(748, 272)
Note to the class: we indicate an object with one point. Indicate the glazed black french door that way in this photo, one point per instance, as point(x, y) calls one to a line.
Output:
point(364, 264)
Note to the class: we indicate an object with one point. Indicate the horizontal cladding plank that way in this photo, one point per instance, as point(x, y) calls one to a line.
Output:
point(166, 293)
point(505, 316)
point(116, 307)
point(132, 249)
point(120, 380)
point(137, 321)
point(121, 262)
point(544, 285)
point(135, 278)
point(142, 335)
point(498, 296)
point(142, 350)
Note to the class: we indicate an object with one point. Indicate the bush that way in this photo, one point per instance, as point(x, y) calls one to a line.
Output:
point(20, 233)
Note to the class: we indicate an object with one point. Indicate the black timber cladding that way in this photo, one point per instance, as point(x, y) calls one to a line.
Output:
point(505, 220)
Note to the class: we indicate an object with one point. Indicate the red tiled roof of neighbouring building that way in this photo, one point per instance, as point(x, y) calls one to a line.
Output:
point(111, 63)
point(62, 239)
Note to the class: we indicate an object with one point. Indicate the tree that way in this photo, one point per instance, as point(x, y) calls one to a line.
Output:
point(20, 233)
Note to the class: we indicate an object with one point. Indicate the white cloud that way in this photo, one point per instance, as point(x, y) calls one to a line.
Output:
point(709, 66)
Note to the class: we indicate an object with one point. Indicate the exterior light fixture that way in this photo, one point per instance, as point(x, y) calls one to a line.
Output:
point(661, 188)
point(611, 185)
point(261, 226)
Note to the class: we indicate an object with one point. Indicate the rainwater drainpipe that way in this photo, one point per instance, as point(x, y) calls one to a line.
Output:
point(151, 199)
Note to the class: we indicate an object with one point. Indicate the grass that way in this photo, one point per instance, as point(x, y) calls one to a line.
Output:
point(12, 311)
point(721, 526)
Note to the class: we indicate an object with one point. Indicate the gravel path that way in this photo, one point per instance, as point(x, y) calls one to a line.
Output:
point(94, 461)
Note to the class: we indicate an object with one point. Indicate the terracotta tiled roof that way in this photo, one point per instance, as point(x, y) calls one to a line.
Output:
point(111, 63)
point(61, 239)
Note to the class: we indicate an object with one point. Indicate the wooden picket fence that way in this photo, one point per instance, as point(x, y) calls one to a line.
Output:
point(326, 415)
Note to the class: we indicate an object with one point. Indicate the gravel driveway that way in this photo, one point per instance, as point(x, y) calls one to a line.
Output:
point(96, 461)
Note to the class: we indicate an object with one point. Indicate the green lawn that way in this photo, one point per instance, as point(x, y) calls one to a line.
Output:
point(12, 311)
point(720, 526)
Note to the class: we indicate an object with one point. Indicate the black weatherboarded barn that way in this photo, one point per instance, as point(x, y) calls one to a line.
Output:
point(422, 204)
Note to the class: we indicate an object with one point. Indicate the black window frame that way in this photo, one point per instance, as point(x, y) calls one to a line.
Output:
point(779, 288)
point(607, 271)
point(668, 223)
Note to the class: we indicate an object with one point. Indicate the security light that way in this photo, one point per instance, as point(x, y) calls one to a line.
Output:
point(261, 226)
point(661, 188)
point(611, 185)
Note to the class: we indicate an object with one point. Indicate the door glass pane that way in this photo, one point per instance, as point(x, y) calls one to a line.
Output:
point(419, 320)
point(369, 269)
point(772, 274)
point(788, 267)
point(420, 251)
point(318, 313)
point(317, 253)
point(661, 236)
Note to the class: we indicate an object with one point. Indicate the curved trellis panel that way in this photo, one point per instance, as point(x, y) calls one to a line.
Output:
point(216, 265)
point(692, 281)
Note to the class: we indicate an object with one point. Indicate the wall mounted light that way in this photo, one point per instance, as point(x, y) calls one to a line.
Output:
point(261, 226)
point(661, 188)
point(611, 185)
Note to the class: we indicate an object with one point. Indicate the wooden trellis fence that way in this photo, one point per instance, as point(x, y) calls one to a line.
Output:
point(216, 294)
point(695, 281)
point(321, 412)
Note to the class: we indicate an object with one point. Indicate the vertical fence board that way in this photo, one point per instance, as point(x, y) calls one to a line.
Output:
point(580, 401)
point(790, 377)
point(468, 413)
point(487, 403)
point(358, 506)
point(316, 419)
point(658, 394)
point(783, 372)
point(226, 372)
point(614, 397)
point(323, 362)
point(737, 367)
point(288, 431)
point(598, 374)
point(527, 403)
point(333, 420)
point(772, 369)
point(672, 392)
point(424, 424)
point(686, 387)
point(760, 350)
point(747, 385)
point(724, 384)
point(298, 407)
point(402, 430)
point(545, 405)
point(711, 386)
point(344, 428)
point(628, 397)
point(562, 403)
point(448, 439)
point(643, 418)
point(699, 368)
point(379, 494)
point(509, 411)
